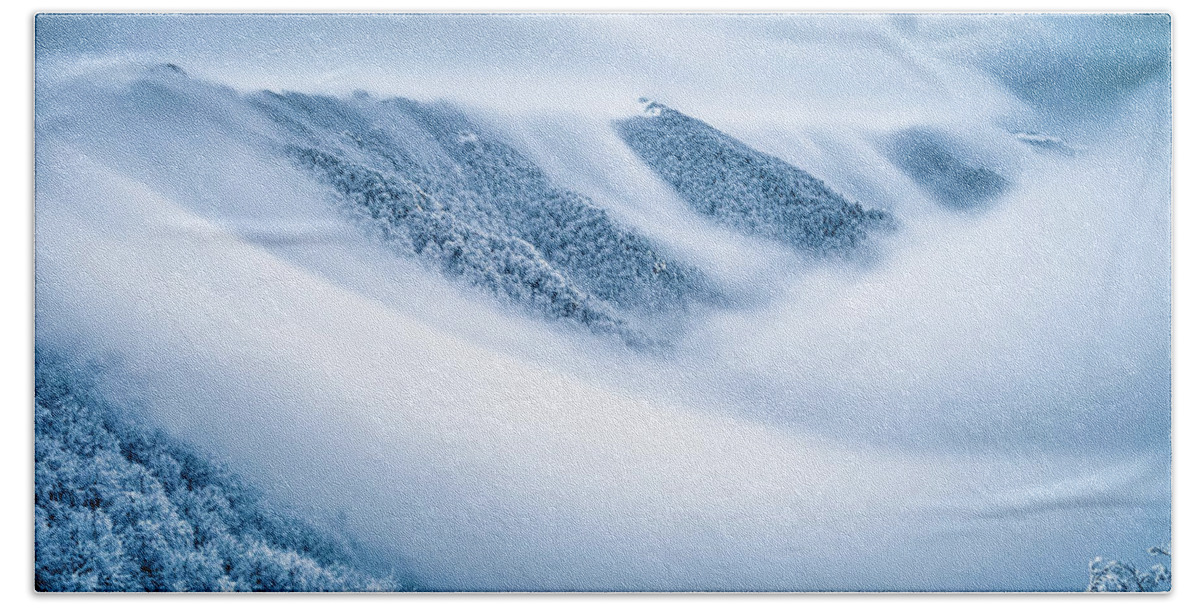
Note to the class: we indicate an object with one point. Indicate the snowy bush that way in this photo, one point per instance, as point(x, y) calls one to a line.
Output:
point(1113, 575)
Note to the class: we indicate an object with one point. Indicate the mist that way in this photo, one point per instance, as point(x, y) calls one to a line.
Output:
point(980, 400)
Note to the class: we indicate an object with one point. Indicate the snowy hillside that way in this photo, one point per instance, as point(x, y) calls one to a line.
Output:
point(482, 211)
point(721, 177)
point(120, 507)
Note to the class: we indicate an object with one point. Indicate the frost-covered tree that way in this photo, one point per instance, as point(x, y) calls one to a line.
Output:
point(119, 507)
point(736, 185)
point(1113, 575)
point(938, 163)
point(437, 186)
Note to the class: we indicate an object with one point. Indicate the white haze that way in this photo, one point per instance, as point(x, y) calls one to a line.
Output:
point(983, 403)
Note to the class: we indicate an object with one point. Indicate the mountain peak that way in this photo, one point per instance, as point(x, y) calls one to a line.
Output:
point(651, 107)
point(166, 69)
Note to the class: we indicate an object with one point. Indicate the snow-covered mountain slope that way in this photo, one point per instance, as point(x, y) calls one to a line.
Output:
point(931, 159)
point(431, 185)
point(483, 211)
point(722, 177)
point(121, 507)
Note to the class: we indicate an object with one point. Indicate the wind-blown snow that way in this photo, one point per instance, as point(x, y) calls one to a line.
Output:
point(983, 403)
